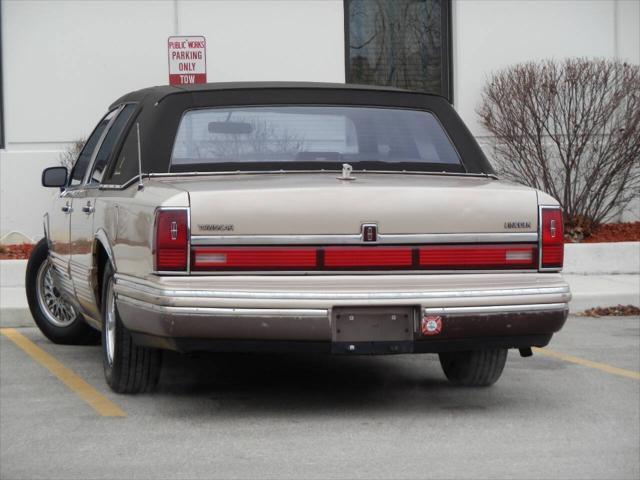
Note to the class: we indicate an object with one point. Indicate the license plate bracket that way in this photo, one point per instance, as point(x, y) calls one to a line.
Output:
point(373, 324)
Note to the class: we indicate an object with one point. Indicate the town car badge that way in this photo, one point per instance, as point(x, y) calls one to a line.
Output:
point(216, 227)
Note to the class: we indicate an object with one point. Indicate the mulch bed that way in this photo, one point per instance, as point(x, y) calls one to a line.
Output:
point(613, 232)
point(15, 252)
point(619, 311)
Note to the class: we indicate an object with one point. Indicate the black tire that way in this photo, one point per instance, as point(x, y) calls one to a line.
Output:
point(68, 327)
point(128, 368)
point(477, 368)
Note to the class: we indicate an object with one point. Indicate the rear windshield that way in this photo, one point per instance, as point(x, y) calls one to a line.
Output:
point(312, 137)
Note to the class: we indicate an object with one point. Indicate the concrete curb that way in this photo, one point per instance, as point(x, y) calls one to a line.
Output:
point(602, 258)
point(12, 273)
point(14, 309)
point(599, 274)
point(589, 291)
point(16, 318)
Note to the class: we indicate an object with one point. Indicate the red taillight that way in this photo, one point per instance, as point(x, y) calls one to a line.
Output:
point(172, 240)
point(350, 257)
point(552, 238)
point(432, 257)
point(478, 256)
point(205, 258)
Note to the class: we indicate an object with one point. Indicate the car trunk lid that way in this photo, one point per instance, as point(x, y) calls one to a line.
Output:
point(291, 204)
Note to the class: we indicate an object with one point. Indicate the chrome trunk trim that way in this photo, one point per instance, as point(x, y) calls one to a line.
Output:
point(356, 239)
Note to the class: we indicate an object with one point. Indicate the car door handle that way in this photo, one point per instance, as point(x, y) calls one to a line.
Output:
point(88, 209)
point(67, 208)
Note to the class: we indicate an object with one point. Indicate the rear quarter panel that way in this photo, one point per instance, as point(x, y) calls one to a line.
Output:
point(125, 219)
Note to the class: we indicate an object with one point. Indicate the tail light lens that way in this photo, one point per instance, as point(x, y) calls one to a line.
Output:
point(552, 238)
point(172, 240)
point(432, 257)
point(478, 257)
point(345, 257)
point(258, 258)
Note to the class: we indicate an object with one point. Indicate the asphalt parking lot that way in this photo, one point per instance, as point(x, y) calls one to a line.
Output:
point(575, 414)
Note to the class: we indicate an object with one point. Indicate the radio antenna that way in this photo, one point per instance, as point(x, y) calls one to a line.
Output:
point(140, 184)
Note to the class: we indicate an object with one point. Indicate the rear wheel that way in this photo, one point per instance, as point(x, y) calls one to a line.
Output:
point(128, 368)
point(477, 368)
point(56, 318)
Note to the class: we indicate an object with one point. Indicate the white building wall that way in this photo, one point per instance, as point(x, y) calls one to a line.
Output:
point(489, 35)
point(258, 40)
point(627, 28)
point(64, 62)
point(492, 34)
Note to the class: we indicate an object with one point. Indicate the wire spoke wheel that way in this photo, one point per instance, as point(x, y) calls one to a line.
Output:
point(56, 309)
point(55, 316)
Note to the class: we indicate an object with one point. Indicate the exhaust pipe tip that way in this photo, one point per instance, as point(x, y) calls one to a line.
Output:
point(526, 352)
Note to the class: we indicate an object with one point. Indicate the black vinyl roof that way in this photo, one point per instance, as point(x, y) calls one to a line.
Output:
point(158, 93)
point(161, 108)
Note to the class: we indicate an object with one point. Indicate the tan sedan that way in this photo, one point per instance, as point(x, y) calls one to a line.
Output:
point(291, 216)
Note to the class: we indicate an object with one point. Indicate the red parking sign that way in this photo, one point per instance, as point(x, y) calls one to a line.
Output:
point(187, 60)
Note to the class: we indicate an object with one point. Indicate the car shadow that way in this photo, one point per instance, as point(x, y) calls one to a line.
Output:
point(286, 384)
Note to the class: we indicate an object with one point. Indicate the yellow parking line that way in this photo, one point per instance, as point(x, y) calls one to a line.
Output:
point(95, 399)
point(588, 363)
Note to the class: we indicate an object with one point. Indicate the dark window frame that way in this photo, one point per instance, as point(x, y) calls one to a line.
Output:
point(119, 135)
point(94, 150)
point(129, 129)
point(447, 50)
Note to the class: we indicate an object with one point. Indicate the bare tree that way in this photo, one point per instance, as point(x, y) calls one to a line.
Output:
point(263, 140)
point(572, 129)
point(70, 154)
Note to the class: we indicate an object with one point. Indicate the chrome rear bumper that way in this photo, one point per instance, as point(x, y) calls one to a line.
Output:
point(298, 308)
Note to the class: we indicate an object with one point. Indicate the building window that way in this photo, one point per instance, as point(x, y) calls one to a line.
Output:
point(399, 43)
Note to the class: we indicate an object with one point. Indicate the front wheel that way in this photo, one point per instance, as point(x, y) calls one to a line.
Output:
point(128, 368)
point(56, 318)
point(477, 368)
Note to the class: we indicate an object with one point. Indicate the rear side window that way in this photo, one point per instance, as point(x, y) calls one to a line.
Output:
point(82, 163)
point(104, 153)
point(126, 165)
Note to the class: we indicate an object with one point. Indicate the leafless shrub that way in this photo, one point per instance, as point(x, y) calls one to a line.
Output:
point(70, 154)
point(572, 129)
point(264, 140)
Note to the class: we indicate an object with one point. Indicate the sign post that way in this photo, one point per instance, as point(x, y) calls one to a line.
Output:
point(187, 60)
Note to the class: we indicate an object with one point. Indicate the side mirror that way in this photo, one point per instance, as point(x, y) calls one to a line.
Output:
point(55, 177)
